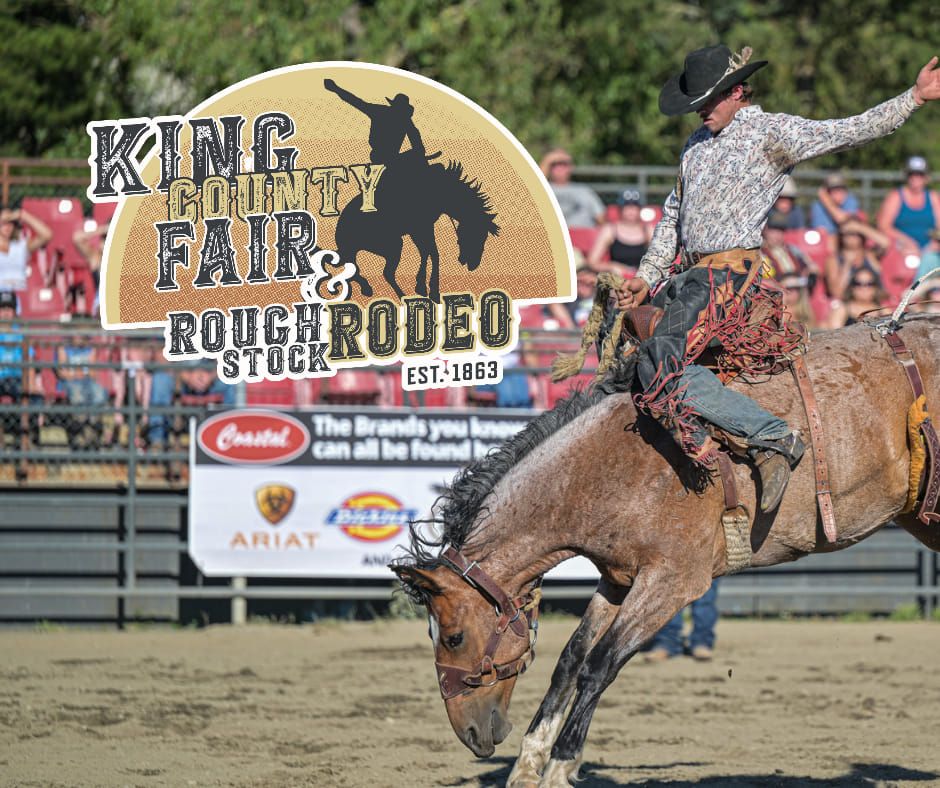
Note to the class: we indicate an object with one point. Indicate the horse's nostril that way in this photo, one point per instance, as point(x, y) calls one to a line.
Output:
point(472, 737)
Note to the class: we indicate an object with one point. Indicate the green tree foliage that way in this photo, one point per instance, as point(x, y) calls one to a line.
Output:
point(581, 73)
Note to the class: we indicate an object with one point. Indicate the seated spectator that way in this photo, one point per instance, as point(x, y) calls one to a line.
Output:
point(12, 377)
point(929, 261)
point(624, 241)
point(192, 383)
point(851, 254)
point(784, 257)
point(909, 213)
point(90, 245)
point(833, 192)
point(796, 289)
point(863, 294)
point(928, 300)
point(786, 210)
point(586, 284)
point(15, 250)
point(579, 204)
point(81, 387)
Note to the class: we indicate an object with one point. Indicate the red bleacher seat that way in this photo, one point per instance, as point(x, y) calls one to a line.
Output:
point(353, 387)
point(651, 214)
point(271, 392)
point(583, 237)
point(897, 273)
point(64, 217)
point(102, 212)
point(813, 243)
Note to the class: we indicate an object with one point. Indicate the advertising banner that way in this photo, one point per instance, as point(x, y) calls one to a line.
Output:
point(328, 493)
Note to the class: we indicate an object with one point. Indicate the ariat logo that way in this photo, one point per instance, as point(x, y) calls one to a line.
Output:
point(275, 501)
point(371, 517)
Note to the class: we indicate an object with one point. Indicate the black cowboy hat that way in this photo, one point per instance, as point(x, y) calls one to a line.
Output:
point(707, 73)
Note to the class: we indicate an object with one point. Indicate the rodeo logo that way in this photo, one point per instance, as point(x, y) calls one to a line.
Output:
point(326, 216)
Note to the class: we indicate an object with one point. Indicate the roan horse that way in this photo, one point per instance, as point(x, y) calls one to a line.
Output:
point(593, 478)
point(408, 202)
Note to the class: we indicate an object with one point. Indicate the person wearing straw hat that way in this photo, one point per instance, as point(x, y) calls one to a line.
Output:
point(731, 172)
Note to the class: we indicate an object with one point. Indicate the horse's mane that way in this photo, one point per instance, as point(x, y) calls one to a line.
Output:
point(456, 513)
point(473, 189)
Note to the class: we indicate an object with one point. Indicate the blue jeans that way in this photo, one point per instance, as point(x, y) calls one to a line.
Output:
point(730, 410)
point(704, 618)
point(161, 395)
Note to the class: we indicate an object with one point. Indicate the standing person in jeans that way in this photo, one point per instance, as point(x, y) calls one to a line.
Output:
point(701, 644)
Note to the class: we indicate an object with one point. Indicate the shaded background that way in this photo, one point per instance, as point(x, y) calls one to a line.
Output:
point(585, 75)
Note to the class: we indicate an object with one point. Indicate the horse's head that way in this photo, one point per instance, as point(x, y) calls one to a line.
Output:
point(471, 237)
point(479, 649)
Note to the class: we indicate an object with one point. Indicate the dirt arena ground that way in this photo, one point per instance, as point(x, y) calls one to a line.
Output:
point(784, 704)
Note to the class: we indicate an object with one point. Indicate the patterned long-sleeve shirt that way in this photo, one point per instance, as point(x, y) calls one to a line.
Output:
point(731, 180)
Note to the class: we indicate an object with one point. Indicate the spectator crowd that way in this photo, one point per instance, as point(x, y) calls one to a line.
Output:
point(832, 261)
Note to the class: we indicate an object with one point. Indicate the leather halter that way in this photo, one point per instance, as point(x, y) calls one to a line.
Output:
point(519, 615)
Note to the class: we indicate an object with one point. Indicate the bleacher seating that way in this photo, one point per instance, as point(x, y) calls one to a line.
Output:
point(271, 392)
point(583, 238)
point(64, 268)
point(352, 387)
point(813, 243)
point(897, 273)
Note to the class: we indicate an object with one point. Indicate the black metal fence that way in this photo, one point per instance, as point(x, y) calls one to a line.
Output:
point(94, 482)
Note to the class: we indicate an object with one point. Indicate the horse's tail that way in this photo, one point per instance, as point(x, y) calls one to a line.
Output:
point(567, 365)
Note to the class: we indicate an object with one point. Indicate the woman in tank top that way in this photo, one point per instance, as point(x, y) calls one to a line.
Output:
point(15, 250)
point(625, 241)
point(909, 213)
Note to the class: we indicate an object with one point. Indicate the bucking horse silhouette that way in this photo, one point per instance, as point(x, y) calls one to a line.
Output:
point(410, 197)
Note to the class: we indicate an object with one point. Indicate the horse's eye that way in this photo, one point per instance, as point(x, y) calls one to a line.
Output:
point(455, 640)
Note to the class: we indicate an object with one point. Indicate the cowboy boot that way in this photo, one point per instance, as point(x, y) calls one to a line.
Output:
point(774, 461)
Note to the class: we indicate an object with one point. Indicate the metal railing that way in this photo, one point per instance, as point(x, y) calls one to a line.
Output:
point(69, 178)
point(112, 544)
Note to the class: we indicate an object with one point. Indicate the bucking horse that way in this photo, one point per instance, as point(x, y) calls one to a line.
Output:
point(410, 197)
point(594, 477)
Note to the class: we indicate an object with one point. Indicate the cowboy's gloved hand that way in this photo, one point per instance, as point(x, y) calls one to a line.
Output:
point(927, 87)
point(633, 293)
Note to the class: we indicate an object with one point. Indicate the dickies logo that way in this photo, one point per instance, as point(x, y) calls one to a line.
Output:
point(371, 517)
point(253, 437)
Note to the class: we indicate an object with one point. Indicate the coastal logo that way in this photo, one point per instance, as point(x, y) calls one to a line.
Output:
point(371, 517)
point(328, 216)
point(253, 437)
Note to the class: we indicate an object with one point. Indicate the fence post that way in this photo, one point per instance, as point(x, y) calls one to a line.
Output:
point(239, 603)
point(130, 562)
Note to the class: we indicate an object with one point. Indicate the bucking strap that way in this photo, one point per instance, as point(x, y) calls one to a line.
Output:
point(820, 462)
point(928, 510)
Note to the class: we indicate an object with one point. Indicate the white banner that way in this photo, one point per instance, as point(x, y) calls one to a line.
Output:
point(328, 493)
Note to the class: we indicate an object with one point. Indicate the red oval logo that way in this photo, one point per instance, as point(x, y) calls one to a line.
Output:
point(253, 437)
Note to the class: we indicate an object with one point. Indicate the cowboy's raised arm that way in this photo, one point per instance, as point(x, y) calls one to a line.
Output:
point(345, 95)
point(793, 139)
point(665, 244)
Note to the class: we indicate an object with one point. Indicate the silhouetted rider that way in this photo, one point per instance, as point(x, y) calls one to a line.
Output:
point(391, 124)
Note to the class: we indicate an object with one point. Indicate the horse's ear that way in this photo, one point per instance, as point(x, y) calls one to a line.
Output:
point(422, 579)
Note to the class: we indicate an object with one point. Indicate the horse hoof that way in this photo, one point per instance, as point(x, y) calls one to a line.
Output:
point(420, 289)
point(560, 774)
point(523, 775)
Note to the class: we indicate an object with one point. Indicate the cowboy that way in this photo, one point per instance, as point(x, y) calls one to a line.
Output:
point(391, 124)
point(731, 172)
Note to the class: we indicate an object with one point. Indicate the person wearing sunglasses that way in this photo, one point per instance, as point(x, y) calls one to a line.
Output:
point(863, 294)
